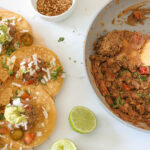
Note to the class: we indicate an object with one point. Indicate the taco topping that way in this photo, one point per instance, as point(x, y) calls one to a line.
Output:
point(20, 115)
point(16, 134)
point(10, 38)
point(33, 70)
point(14, 114)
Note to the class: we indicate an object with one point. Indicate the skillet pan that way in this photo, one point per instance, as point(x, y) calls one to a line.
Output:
point(103, 23)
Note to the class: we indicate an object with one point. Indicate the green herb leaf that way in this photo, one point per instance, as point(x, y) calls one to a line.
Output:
point(121, 92)
point(11, 72)
point(140, 77)
point(9, 51)
point(109, 95)
point(1, 116)
point(61, 39)
point(56, 72)
point(118, 102)
point(4, 64)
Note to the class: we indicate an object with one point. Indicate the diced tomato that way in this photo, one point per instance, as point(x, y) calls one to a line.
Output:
point(25, 95)
point(28, 82)
point(138, 15)
point(126, 87)
point(137, 38)
point(144, 70)
point(12, 77)
point(3, 130)
point(28, 138)
point(27, 107)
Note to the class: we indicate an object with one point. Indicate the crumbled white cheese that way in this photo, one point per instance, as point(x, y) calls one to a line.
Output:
point(27, 99)
point(23, 124)
point(1, 123)
point(16, 84)
point(1, 32)
point(42, 124)
point(63, 75)
point(35, 61)
point(45, 78)
point(16, 45)
point(34, 98)
point(11, 18)
point(9, 125)
point(26, 106)
point(32, 72)
point(48, 74)
point(30, 64)
point(10, 146)
point(13, 23)
point(53, 62)
point(20, 93)
point(19, 19)
point(43, 69)
point(17, 102)
point(13, 58)
point(1, 48)
point(37, 93)
point(5, 147)
point(43, 81)
point(39, 133)
point(22, 63)
point(45, 113)
point(24, 31)
point(2, 136)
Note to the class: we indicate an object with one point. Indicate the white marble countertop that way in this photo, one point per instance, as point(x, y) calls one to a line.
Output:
point(109, 134)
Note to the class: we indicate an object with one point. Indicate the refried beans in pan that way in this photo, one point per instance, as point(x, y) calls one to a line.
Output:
point(120, 66)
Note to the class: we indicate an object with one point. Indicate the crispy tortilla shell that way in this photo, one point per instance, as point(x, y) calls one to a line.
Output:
point(20, 25)
point(43, 100)
point(43, 53)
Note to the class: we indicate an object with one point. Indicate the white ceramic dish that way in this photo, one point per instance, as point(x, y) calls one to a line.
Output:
point(57, 18)
point(106, 16)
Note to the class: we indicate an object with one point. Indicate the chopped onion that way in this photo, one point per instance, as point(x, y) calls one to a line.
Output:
point(16, 84)
point(45, 113)
point(5, 147)
point(39, 133)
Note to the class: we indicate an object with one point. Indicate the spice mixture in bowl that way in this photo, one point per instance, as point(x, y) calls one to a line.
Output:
point(53, 10)
point(53, 7)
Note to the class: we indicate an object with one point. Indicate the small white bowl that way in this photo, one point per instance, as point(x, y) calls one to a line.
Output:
point(54, 18)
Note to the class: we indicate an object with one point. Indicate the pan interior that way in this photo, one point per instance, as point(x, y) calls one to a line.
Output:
point(103, 24)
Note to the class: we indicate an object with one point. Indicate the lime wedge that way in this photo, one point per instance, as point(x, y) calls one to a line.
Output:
point(82, 120)
point(63, 144)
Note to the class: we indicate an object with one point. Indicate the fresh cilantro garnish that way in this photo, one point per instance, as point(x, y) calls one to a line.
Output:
point(121, 92)
point(22, 44)
point(61, 39)
point(8, 21)
point(9, 51)
point(56, 72)
point(11, 72)
point(118, 102)
point(26, 91)
point(74, 61)
point(140, 77)
point(1, 116)
point(4, 64)
point(109, 95)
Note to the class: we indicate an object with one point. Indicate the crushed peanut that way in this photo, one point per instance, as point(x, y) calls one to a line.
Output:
point(53, 7)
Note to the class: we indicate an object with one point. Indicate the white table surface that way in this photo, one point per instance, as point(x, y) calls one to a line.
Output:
point(109, 134)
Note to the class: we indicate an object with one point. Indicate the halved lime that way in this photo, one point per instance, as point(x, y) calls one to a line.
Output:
point(63, 144)
point(82, 119)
